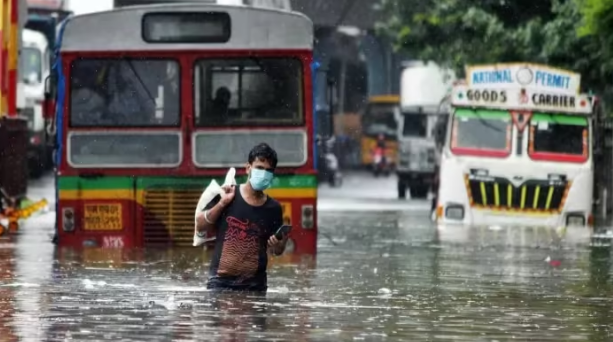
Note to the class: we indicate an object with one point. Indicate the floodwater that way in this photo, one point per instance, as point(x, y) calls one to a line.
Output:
point(379, 275)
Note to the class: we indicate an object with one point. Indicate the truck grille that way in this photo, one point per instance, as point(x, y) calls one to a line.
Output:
point(168, 216)
point(532, 195)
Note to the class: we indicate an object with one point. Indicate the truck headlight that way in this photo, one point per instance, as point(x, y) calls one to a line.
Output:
point(454, 211)
point(575, 220)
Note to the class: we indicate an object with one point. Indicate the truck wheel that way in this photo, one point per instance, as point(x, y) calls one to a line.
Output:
point(402, 190)
point(36, 168)
point(419, 191)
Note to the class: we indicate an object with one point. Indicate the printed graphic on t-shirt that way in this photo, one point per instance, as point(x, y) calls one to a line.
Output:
point(240, 253)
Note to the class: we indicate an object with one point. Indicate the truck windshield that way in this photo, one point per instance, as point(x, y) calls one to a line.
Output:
point(482, 132)
point(30, 61)
point(562, 138)
point(249, 91)
point(122, 92)
point(415, 125)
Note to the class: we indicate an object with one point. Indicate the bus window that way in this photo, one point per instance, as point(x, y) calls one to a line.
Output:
point(124, 93)
point(561, 138)
point(249, 91)
point(484, 133)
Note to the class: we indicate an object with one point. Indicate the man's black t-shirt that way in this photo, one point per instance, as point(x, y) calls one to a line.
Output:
point(240, 259)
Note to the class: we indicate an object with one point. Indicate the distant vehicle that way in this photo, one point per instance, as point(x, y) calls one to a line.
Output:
point(422, 89)
point(34, 68)
point(378, 118)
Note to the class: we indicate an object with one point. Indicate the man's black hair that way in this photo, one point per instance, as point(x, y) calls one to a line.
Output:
point(263, 152)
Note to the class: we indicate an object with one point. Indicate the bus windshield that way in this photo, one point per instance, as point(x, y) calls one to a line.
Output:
point(379, 119)
point(481, 133)
point(123, 92)
point(561, 138)
point(249, 91)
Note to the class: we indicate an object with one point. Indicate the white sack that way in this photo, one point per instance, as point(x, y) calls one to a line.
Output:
point(211, 191)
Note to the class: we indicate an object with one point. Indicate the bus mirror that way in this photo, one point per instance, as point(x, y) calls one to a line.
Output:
point(49, 101)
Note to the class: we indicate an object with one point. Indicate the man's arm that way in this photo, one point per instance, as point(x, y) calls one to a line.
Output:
point(212, 212)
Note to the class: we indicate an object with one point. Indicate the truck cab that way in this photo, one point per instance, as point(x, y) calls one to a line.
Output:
point(33, 69)
point(423, 89)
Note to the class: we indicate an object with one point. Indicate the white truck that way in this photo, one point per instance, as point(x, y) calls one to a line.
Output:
point(422, 88)
point(523, 148)
point(33, 69)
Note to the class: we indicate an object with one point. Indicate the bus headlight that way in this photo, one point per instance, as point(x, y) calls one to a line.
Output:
point(575, 220)
point(307, 216)
point(68, 219)
point(454, 211)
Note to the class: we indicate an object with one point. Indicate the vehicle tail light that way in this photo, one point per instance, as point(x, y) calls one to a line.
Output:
point(439, 211)
point(68, 219)
point(590, 220)
point(35, 140)
point(307, 217)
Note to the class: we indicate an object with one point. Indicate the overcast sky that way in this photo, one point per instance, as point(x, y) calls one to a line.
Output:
point(88, 6)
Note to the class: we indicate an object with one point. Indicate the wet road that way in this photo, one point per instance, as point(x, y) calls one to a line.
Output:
point(382, 273)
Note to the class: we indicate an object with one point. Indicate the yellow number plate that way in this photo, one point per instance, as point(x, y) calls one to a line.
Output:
point(287, 212)
point(102, 217)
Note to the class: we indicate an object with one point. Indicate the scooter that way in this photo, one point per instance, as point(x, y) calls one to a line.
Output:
point(380, 164)
point(329, 170)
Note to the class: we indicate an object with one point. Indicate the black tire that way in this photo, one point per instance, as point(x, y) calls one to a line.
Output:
point(419, 191)
point(332, 179)
point(402, 190)
point(37, 166)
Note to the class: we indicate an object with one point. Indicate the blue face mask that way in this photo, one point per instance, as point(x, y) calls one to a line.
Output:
point(260, 179)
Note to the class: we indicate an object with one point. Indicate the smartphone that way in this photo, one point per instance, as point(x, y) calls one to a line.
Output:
point(283, 231)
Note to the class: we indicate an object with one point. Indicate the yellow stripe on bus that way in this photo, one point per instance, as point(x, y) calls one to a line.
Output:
point(126, 194)
point(523, 197)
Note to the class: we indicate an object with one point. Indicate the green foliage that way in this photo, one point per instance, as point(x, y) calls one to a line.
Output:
point(460, 32)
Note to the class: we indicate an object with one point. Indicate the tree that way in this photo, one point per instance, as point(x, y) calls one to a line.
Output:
point(460, 32)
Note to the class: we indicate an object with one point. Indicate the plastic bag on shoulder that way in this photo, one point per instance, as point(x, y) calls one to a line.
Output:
point(211, 191)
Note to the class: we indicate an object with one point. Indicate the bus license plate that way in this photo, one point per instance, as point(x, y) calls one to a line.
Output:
point(103, 217)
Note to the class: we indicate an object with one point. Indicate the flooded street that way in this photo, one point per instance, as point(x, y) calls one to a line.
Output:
point(382, 273)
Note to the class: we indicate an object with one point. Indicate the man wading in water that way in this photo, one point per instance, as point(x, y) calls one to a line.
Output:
point(244, 223)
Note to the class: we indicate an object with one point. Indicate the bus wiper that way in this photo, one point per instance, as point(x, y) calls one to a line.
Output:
point(151, 98)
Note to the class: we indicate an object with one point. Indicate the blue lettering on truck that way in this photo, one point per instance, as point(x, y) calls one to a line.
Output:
point(552, 80)
point(496, 76)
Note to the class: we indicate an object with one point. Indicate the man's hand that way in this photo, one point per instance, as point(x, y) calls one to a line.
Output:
point(227, 194)
point(277, 246)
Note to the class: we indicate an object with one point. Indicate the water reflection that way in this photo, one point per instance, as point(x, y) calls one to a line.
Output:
point(7, 290)
point(385, 276)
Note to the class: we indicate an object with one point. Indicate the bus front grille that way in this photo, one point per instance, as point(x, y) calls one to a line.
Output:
point(168, 216)
point(532, 195)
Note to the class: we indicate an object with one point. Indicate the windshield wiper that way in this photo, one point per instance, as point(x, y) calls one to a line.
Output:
point(489, 125)
point(151, 98)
